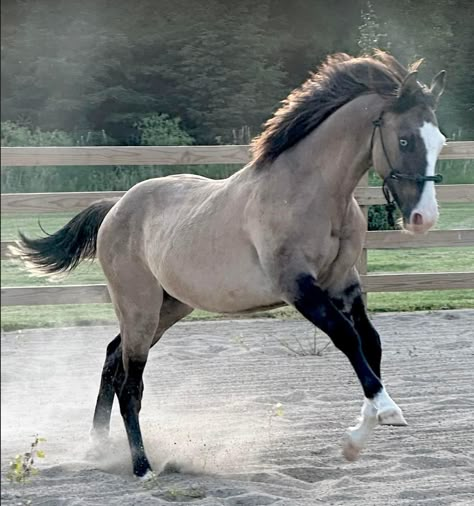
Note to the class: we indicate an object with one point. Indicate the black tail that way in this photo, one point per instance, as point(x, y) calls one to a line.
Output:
point(66, 248)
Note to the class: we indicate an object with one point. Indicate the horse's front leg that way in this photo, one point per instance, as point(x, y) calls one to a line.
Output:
point(381, 410)
point(316, 305)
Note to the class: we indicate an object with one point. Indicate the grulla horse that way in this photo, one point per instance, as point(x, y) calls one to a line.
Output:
point(285, 229)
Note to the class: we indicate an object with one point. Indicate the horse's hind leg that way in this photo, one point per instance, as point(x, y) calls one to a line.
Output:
point(105, 398)
point(144, 317)
point(137, 297)
point(140, 329)
point(171, 312)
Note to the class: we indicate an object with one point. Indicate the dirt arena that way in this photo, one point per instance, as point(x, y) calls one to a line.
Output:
point(234, 417)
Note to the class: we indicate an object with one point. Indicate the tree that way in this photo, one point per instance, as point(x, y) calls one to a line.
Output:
point(370, 36)
point(102, 64)
point(439, 31)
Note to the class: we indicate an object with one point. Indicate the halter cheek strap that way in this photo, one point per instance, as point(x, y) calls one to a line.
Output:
point(395, 174)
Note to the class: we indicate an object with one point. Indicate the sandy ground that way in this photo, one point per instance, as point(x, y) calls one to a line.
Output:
point(212, 418)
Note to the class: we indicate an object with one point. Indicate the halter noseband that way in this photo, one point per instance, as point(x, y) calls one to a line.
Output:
point(395, 174)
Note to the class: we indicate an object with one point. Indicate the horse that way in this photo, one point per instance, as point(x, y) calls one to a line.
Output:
point(284, 230)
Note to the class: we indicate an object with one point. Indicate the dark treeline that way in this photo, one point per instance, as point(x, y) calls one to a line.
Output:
point(220, 66)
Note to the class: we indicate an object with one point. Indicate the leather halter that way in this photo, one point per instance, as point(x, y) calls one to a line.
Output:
point(395, 174)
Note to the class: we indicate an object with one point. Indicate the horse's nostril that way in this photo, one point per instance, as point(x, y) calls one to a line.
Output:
point(417, 219)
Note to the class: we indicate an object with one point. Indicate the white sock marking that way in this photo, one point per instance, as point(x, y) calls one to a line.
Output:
point(383, 401)
point(367, 423)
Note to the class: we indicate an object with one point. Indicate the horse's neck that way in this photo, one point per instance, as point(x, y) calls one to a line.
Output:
point(337, 153)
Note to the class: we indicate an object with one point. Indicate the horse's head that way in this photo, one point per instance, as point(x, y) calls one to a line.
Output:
point(406, 143)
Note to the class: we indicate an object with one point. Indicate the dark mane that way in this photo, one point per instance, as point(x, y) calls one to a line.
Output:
point(340, 79)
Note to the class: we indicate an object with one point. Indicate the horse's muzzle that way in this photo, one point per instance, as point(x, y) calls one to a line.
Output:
point(420, 222)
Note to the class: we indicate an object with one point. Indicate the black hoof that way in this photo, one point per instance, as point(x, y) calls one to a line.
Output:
point(141, 467)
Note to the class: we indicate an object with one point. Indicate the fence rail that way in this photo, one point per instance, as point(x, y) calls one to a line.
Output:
point(191, 155)
point(126, 155)
point(97, 293)
point(160, 155)
point(76, 201)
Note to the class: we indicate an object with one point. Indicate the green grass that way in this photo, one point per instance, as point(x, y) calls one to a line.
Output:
point(421, 301)
point(379, 261)
point(455, 216)
point(452, 216)
point(421, 260)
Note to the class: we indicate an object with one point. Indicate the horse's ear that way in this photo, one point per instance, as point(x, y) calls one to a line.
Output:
point(409, 85)
point(437, 85)
point(407, 92)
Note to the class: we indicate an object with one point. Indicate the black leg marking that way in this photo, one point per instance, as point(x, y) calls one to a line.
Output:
point(315, 305)
point(371, 344)
point(105, 398)
point(129, 393)
point(352, 306)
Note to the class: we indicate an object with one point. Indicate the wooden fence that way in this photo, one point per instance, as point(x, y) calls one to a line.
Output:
point(185, 155)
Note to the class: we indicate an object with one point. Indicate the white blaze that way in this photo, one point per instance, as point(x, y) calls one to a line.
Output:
point(434, 140)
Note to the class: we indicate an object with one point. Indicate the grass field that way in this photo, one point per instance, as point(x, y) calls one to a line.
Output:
point(418, 260)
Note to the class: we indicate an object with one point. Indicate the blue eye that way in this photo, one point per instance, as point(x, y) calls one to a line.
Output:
point(403, 143)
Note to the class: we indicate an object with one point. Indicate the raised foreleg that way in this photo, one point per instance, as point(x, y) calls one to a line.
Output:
point(364, 353)
point(381, 409)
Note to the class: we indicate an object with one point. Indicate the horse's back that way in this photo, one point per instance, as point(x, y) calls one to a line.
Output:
point(171, 191)
point(150, 209)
